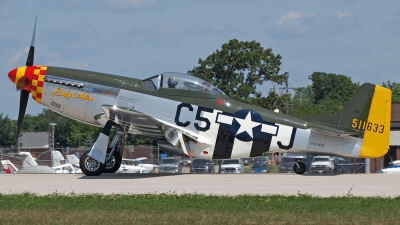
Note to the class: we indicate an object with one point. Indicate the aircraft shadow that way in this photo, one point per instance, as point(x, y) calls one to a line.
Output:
point(127, 176)
point(320, 174)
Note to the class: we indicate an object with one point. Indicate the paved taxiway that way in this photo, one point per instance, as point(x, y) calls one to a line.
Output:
point(384, 185)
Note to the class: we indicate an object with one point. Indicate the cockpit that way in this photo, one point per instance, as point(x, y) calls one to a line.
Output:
point(180, 81)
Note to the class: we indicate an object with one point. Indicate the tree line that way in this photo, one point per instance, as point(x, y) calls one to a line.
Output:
point(238, 69)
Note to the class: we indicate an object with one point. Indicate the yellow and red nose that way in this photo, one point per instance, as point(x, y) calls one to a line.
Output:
point(29, 78)
point(21, 77)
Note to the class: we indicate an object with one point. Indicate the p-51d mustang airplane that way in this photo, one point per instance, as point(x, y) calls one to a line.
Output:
point(189, 116)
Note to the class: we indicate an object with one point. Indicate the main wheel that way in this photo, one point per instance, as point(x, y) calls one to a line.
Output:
point(113, 164)
point(299, 168)
point(90, 166)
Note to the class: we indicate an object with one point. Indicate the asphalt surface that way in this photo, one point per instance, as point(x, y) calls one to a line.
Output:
point(384, 185)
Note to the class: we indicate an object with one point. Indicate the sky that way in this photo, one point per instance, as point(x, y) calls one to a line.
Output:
point(142, 38)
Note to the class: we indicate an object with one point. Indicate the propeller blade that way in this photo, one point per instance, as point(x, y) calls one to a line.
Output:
point(29, 60)
point(23, 102)
point(23, 82)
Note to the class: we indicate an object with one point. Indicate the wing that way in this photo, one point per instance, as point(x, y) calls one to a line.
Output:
point(135, 122)
point(172, 138)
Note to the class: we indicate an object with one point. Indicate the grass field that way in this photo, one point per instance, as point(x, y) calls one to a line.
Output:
point(196, 209)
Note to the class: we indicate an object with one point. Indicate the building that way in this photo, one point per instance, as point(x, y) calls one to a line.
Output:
point(394, 144)
point(33, 140)
point(37, 143)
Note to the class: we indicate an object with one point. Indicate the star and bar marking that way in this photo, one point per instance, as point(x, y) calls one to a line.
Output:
point(252, 120)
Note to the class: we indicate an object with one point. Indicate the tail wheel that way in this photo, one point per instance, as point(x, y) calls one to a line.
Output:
point(90, 166)
point(113, 164)
point(299, 168)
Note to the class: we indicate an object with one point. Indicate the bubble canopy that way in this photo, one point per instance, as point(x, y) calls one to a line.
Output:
point(180, 81)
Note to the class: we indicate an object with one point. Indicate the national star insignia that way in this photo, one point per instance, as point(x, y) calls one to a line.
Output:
point(246, 125)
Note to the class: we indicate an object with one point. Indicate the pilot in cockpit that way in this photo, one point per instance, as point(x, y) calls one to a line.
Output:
point(206, 87)
point(172, 82)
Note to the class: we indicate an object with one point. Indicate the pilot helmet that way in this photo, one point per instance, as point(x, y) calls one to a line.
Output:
point(172, 81)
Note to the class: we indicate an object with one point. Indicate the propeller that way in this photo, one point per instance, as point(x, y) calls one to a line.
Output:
point(23, 82)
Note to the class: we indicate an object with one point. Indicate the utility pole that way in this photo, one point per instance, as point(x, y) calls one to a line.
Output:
point(17, 139)
point(79, 135)
point(48, 126)
point(52, 149)
point(287, 93)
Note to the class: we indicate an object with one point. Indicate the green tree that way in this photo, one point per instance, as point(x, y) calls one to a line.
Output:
point(303, 94)
point(137, 140)
point(272, 101)
point(395, 88)
point(327, 94)
point(88, 141)
point(7, 131)
point(85, 131)
point(37, 123)
point(332, 86)
point(238, 67)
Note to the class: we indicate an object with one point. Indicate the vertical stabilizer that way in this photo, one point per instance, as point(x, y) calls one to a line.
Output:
point(368, 112)
point(27, 159)
point(8, 166)
point(72, 159)
point(58, 158)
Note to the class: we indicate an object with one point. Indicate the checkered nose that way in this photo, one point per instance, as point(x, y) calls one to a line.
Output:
point(22, 77)
point(29, 79)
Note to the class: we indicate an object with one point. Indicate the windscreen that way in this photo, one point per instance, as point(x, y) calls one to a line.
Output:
point(200, 162)
point(168, 161)
point(320, 159)
point(287, 160)
point(230, 161)
point(188, 82)
point(259, 165)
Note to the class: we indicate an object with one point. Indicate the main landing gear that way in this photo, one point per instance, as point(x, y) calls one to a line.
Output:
point(104, 158)
point(90, 166)
point(299, 167)
point(114, 153)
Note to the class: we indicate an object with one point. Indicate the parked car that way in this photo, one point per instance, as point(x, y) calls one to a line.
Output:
point(170, 165)
point(186, 161)
point(286, 165)
point(202, 166)
point(260, 167)
point(263, 159)
point(322, 164)
point(232, 166)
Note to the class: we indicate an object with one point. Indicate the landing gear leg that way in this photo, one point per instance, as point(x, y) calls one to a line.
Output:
point(299, 168)
point(93, 162)
point(114, 153)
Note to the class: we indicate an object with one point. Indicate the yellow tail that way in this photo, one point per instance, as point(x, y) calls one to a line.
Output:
point(377, 127)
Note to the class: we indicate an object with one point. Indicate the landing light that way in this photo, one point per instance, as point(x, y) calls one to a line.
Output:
point(114, 107)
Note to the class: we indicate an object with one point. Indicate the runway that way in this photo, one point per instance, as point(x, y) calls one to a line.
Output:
point(384, 185)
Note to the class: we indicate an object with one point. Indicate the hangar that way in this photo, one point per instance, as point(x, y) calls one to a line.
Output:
point(394, 144)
